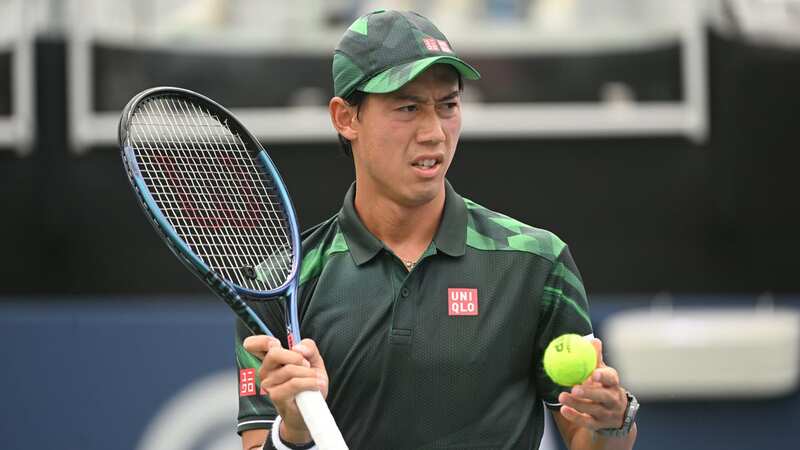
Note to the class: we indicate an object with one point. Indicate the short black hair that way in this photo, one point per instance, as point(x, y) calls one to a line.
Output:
point(356, 98)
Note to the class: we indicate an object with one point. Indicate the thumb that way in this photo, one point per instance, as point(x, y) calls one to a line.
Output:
point(308, 348)
point(259, 345)
point(598, 347)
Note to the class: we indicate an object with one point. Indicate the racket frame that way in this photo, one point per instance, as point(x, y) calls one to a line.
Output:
point(312, 405)
point(227, 289)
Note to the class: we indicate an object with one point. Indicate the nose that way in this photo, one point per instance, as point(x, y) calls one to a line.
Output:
point(430, 129)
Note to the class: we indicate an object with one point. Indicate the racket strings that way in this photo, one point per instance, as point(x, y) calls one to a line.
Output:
point(217, 197)
point(234, 218)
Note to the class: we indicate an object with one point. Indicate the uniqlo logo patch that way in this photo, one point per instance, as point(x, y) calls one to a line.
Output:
point(445, 46)
point(462, 302)
point(247, 382)
point(431, 44)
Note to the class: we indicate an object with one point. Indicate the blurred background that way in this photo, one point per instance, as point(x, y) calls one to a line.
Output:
point(658, 139)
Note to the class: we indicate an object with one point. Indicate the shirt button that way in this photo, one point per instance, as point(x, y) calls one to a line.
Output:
point(404, 292)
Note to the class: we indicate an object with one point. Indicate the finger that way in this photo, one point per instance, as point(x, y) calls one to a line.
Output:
point(596, 415)
point(601, 415)
point(567, 398)
point(577, 417)
point(277, 357)
point(259, 345)
point(284, 393)
point(308, 348)
point(284, 384)
point(287, 373)
point(588, 407)
point(598, 347)
point(607, 376)
point(573, 401)
point(610, 397)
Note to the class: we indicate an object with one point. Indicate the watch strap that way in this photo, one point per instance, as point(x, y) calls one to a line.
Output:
point(630, 417)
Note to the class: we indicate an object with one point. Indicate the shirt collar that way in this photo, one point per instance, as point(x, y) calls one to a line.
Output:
point(450, 238)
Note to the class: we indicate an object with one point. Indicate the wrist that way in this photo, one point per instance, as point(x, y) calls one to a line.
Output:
point(292, 435)
point(283, 437)
point(628, 421)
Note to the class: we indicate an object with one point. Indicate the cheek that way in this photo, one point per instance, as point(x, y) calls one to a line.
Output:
point(386, 152)
point(392, 142)
point(453, 128)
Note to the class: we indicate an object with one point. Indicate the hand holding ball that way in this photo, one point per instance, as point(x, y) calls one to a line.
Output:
point(569, 359)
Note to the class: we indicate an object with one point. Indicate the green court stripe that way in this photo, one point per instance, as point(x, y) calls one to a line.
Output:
point(560, 294)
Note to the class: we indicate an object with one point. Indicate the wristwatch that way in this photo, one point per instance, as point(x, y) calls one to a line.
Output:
point(630, 416)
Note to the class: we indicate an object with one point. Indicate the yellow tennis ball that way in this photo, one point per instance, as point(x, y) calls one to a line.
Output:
point(569, 359)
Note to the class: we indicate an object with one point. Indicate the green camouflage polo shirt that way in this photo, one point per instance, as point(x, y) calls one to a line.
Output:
point(446, 356)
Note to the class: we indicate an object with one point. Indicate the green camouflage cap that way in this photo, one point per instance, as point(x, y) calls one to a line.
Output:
point(384, 50)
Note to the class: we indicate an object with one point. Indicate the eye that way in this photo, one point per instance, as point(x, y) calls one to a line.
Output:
point(407, 108)
point(448, 108)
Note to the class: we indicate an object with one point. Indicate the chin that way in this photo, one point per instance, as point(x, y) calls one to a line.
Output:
point(427, 193)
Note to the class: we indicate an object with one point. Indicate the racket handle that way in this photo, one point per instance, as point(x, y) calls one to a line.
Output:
point(319, 421)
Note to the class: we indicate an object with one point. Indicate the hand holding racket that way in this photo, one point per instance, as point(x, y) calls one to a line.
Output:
point(215, 197)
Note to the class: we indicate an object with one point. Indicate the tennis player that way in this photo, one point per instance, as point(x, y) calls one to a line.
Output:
point(428, 313)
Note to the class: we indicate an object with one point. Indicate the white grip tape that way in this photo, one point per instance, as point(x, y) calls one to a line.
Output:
point(319, 421)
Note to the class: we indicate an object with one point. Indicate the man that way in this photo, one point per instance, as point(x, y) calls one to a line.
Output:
point(427, 314)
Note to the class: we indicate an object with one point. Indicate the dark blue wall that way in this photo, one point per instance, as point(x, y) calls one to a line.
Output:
point(84, 375)
point(91, 374)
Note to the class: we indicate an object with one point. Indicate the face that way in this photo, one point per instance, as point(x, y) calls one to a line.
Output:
point(406, 139)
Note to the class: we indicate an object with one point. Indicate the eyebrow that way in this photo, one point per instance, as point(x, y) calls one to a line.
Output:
point(417, 99)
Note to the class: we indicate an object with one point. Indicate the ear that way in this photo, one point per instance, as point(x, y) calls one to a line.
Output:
point(344, 118)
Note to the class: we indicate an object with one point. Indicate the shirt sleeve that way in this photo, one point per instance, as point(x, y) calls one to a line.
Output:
point(255, 409)
point(565, 309)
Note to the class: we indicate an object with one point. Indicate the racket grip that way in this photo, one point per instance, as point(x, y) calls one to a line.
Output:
point(319, 421)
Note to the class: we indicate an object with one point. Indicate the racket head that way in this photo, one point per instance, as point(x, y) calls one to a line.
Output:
point(210, 190)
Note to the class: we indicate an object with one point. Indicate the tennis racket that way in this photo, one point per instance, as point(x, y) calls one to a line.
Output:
point(215, 197)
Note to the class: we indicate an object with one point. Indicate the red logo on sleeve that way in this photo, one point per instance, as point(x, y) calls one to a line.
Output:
point(462, 302)
point(247, 382)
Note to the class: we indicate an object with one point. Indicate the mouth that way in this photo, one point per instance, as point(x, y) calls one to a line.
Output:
point(426, 163)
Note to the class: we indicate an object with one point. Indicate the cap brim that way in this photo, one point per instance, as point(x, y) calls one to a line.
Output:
point(394, 78)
